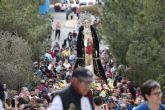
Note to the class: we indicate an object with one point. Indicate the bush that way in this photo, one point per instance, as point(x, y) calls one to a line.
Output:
point(22, 17)
point(92, 9)
point(15, 58)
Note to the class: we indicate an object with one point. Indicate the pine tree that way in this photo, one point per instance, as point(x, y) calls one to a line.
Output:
point(135, 30)
point(118, 21)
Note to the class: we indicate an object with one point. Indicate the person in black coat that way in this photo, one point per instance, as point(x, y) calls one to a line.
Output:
point(2, 94)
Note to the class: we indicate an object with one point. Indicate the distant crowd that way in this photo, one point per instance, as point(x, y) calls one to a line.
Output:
point(55, 69)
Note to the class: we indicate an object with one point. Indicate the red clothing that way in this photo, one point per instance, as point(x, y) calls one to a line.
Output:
point(109, 74)
point(52, 54)
point(74, 35)
point(89, 95)
point(77, 10)
point(89, 50)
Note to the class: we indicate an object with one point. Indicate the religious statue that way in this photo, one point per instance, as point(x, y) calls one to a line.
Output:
point(88, 48)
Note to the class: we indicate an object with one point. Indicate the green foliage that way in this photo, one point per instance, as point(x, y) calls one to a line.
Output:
point(162, 82)
point(41, 1)
point(30, 38)
point(33, 82)
point(118, 20)
point(146, 60)
point(22, 17)
point(15, 58)
point(135, 31)
point(146, 54)
point(92, 9)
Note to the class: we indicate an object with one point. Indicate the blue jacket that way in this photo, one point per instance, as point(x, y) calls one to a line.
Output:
point(144, 106)
point(129, 107)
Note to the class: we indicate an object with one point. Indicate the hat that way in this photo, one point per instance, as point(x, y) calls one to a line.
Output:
point(68, 76)
point(50, 80)
point(42, 81)
point(110, 99)
point(83, 74)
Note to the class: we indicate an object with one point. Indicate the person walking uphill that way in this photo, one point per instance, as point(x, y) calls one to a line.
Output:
point(73, 97)
point(57, 29)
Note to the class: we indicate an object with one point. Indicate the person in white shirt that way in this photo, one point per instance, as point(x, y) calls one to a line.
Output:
point(66, 64)
point(1, 105)
point(57, 29)
point(69, 71)
point(74, 96)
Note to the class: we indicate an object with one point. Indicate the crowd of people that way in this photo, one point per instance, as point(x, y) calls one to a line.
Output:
point(56, 70)
point(71, 11)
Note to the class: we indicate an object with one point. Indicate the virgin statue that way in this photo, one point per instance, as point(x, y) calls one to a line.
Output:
point(88, 48)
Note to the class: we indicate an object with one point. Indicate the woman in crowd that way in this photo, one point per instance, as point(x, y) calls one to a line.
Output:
point(151, 91)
